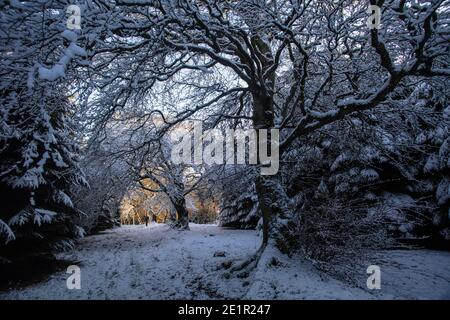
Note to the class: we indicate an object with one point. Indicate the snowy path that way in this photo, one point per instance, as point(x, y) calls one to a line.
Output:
point(135, 262)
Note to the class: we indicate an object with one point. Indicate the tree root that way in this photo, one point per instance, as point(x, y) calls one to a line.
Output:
point(243, 269)
point(178, 226)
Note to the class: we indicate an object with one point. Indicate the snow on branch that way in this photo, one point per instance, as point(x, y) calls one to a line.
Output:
point(59, 70)
point(6, 231)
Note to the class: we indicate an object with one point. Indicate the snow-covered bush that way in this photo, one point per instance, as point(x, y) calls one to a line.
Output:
point(108, 181)
point(331, 192)
point(366, 181)
point(39, 165)
point(239, 203)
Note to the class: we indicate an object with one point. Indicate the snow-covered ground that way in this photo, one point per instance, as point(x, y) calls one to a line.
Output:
point(155, 262)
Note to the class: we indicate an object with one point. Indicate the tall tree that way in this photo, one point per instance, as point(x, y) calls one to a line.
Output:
point(38, 150)
point(194, 45)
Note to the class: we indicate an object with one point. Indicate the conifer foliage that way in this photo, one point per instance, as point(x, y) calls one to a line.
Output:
point(38, 149)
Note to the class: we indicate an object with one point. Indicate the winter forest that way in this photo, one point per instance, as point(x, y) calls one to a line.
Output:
point(224, 149)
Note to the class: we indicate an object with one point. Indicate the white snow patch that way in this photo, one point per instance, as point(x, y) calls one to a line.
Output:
point(156, 262)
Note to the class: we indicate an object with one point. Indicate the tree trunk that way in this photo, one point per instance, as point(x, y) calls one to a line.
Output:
point(182, 213)
point(271, 196)
point(278, 225)
point(260, 107)
point(265, 211)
